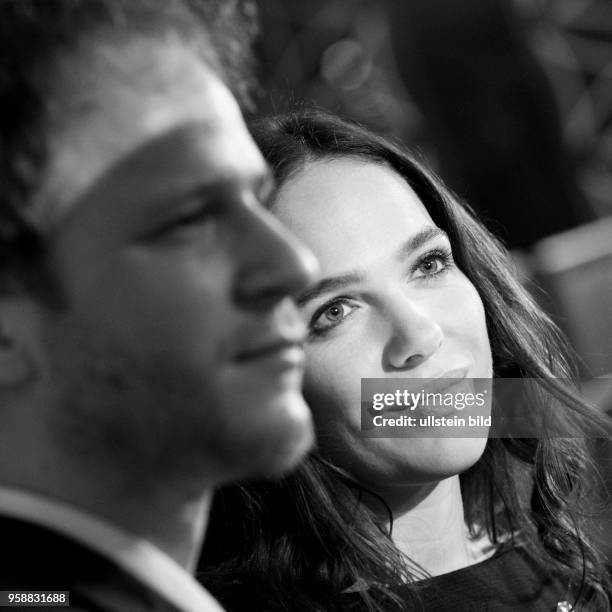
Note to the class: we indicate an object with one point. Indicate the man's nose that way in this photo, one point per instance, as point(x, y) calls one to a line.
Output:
point(415, 335)
point(274, 263)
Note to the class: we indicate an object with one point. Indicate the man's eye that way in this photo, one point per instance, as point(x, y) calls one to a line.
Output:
point(194, 217)
point(330, 315)
point(200, 217)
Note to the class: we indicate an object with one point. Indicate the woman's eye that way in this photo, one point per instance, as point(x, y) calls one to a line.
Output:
point(434, 263)
point(331, 315)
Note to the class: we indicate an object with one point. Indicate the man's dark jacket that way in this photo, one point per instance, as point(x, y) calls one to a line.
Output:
point(34, 558)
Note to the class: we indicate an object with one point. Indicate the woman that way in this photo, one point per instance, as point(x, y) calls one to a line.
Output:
point(414, 287)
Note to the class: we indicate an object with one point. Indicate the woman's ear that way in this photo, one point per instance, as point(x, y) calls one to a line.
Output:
point(17, 353)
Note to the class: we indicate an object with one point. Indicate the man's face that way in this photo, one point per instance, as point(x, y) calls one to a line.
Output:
point(179, 348)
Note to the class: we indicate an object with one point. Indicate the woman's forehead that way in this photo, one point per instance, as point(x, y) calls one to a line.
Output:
point(348, 207)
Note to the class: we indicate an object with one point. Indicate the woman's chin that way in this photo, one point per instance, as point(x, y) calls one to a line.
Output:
point(417, 461)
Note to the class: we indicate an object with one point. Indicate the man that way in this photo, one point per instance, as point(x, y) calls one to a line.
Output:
point(149, 349)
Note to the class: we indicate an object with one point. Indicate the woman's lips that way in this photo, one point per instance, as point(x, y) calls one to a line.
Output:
point(451, 381)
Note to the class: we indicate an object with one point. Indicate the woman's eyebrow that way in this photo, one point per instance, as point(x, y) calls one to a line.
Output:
point(326, 285)
point(418, 240)
point(334, 283)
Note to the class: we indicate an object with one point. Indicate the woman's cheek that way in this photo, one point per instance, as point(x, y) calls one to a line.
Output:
point(467, 323)
point(332, 388)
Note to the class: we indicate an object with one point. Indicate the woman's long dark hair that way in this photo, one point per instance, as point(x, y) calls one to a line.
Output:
point(299, 542)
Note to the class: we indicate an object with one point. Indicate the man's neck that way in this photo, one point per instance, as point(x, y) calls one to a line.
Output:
point(169, 515)
point(169, 519)
point(431, 529)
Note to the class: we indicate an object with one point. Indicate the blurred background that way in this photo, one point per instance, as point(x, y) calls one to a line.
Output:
point(511, 103)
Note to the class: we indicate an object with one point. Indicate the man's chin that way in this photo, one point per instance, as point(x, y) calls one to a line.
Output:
point(276, 442)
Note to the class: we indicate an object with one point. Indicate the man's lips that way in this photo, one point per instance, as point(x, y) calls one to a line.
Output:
point(286, 348)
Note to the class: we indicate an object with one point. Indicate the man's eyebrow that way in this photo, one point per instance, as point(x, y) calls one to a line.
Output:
point(418, 240)
point(261, 184)
point(327, 285)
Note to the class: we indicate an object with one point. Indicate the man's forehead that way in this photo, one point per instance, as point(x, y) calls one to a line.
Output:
point(119, 109)
point(170, 167)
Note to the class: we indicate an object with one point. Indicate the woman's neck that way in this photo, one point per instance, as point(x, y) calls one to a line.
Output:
point(431, 529)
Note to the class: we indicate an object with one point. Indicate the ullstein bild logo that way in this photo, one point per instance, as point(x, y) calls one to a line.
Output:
point(457, 408)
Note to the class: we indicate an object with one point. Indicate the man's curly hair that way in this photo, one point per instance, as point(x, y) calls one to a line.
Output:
point(34, 37)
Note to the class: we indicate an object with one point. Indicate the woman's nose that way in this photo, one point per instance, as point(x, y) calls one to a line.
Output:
point(415, 335)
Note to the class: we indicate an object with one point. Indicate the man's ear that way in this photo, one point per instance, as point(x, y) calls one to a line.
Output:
point(19, 324)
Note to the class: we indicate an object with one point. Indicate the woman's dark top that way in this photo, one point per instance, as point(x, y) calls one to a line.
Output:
point(511, 580)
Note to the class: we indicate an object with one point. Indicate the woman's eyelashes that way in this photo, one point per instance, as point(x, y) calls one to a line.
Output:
point(433, 263)
point(330, 315)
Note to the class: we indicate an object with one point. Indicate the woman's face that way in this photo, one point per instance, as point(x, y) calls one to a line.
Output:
point(391, 304)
